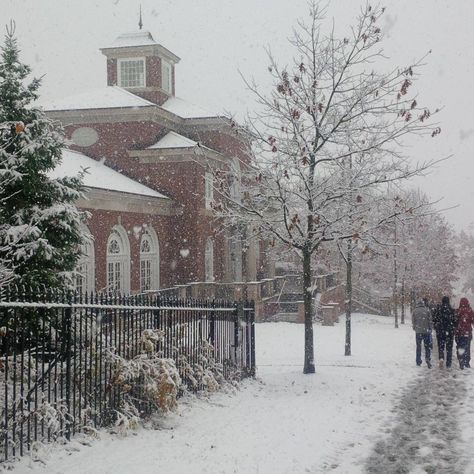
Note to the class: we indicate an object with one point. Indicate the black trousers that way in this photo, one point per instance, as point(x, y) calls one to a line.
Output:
point(463, 346)
point(445, 343)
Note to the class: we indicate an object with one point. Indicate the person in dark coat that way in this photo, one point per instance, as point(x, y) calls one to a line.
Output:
point(422, 325)
point(463, 333)
point(444, 323)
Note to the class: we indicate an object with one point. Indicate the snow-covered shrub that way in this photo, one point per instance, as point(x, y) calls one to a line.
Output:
point(55, 418)
point(146, 383)
point(150, 383)
point(205, 373)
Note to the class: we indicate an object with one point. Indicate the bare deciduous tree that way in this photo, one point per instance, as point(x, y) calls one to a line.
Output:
point(327, 113)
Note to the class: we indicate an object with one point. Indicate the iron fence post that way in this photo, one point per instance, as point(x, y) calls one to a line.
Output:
point(5, 340)
point(253, 366)
point(212, 326)
point(67, 326)
point(238, 315)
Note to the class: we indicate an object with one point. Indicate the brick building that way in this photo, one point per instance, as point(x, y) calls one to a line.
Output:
point(149, 188)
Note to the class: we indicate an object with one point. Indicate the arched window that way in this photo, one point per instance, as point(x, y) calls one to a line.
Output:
point(149, 261)
point(209, 260)
point(118, 260)
point(85, 268)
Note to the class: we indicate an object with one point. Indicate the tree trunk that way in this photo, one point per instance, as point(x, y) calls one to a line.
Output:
point(395, 277)
point(347, 348)
point(403, 301)
point(309, 367)
point(395, 294)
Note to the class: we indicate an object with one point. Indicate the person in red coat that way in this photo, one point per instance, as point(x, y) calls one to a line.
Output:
point(463, 333)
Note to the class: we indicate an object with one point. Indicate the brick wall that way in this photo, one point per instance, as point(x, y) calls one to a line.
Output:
point(184, 234)
point(224, 141)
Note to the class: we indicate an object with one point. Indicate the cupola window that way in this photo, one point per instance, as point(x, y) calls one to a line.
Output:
point(131, 72)
point(166, 81)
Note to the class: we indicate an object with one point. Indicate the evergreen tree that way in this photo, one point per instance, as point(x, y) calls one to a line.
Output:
point(40, 226)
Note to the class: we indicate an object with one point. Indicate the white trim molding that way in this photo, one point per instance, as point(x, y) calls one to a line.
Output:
point(149, 260)
point(118, 260)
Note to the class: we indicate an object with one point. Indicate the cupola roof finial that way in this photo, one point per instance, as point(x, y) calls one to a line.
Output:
point(140, 22)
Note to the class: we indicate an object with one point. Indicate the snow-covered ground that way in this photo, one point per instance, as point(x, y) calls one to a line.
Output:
point(372, 412)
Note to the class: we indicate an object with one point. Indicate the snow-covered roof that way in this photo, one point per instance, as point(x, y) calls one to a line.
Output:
point(174, 140)
point(186, 109)
point(136, 38)
point(99, 175)
point(103, 98)
point(110, 97)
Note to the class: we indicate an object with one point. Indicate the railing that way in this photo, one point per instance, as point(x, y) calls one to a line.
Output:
point(61, 355)
point(271, 295)
point(254, 290)
point(376, 303)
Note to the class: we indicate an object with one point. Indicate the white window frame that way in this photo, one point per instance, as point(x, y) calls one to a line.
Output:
point(119, 72)
point(209, 260)
point(84, 279)
point(235, 179)
point(166, 72)
point(118, 264)
point(150, 262)
point(208, 190)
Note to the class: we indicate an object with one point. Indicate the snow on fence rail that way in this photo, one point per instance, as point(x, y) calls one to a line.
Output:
point(64, 356)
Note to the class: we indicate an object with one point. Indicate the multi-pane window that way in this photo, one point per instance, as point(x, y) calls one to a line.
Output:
point(81, 279)
point(149, 261)
point(132, 73)
point(118, 261)
point(145, 263)
point(209, 185)
point(235, 192)
point(209, 260)
point(145, 275)
point(115, 271)
point(114, 265)
point(84, 272)
point(166, 76)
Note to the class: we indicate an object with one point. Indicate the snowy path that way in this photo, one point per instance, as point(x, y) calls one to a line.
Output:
point(425, 436)
point(287, 422)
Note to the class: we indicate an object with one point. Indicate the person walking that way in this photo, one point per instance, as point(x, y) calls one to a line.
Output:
point(463, 333)
point(422, 325)
point(444, 322)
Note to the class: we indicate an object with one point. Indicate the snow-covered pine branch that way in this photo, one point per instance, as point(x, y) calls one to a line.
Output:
point(40, 226)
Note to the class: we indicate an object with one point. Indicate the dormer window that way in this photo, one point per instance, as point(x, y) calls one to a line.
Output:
point(166, 80)
point(131, 72)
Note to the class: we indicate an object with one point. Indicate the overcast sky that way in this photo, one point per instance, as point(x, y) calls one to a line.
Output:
point(215, 39)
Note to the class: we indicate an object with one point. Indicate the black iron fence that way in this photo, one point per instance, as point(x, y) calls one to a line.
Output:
point(60, 355)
